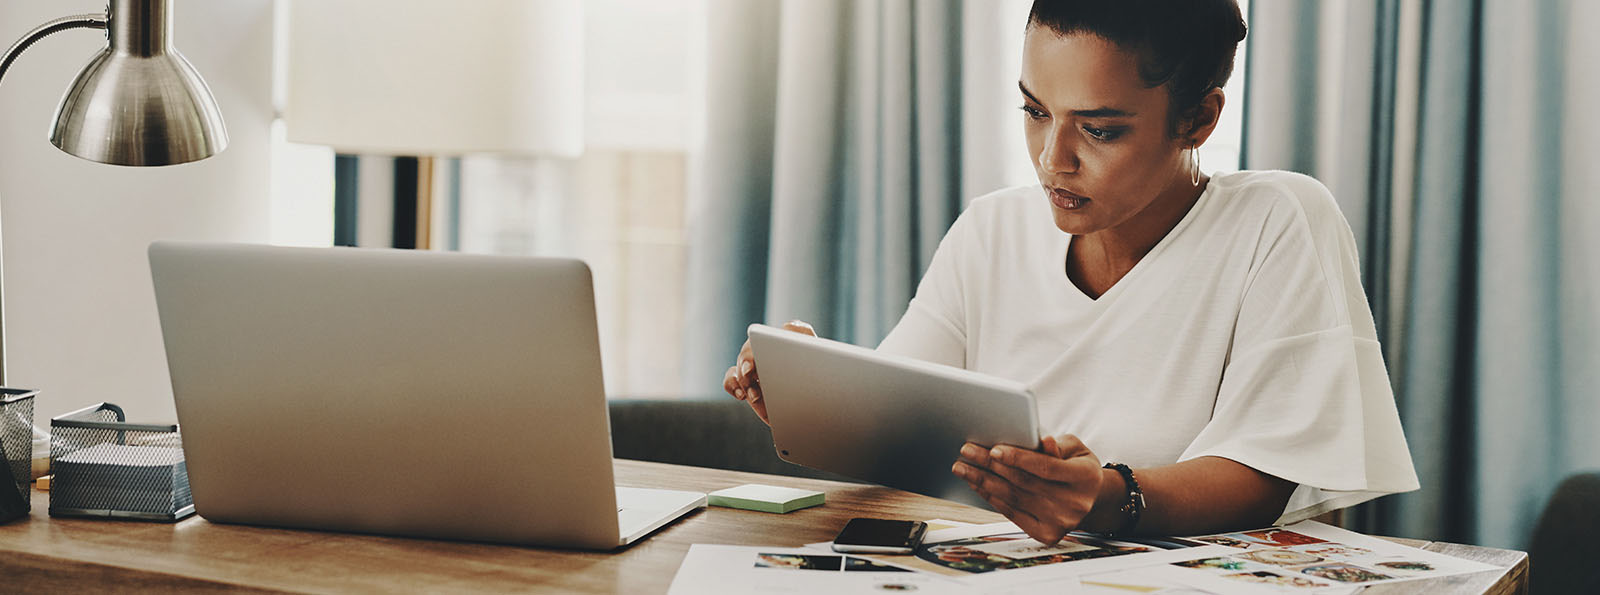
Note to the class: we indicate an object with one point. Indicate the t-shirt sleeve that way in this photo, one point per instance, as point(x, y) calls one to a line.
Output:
point(933, 329)
point(1305, 395)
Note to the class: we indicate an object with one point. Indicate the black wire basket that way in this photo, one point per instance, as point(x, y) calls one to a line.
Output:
point(106, 467)
point(16, 448)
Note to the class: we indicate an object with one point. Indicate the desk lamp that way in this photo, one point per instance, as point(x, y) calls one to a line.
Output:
point(136, 103)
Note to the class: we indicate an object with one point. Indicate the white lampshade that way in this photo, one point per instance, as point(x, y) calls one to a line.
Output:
point(437, 77)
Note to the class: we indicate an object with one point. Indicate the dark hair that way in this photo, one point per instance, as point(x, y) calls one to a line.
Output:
point(1187, 45)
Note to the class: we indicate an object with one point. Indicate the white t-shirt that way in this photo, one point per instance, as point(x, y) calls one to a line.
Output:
point(1243, 334)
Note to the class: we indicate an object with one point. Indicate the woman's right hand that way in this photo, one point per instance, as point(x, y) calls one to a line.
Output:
point(744, 383)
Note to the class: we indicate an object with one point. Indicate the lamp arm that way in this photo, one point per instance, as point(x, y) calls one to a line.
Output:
point(82, 21)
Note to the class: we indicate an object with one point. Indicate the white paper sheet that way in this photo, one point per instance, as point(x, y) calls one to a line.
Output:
point(998, 558)
point(718, 569)
point(1307, 557)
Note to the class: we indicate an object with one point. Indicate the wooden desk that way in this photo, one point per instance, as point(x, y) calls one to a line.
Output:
point(42, 554)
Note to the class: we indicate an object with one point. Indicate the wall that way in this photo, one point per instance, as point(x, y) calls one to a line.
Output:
point(80, 317)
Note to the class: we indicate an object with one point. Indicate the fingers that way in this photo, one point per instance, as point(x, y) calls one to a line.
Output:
point(1014, 503)
point(730, 383)
point(1024, 492)
point(746, 366)
point(1064, 459)
point(800, 326)
point(1045, 494)
point(1040, 530)
point(985, 480)
point(743, 376)
point(975, 454)
point(750, 394)
point(743, 381)
point(747, 371)
point(759, 405)
point(1026, 481)
point(982, 458)
point(1067, 446)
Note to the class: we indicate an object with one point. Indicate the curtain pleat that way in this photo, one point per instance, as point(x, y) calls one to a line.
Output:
point(840, 183)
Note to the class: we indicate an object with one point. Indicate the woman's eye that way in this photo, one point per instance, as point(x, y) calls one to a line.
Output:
point(1034, 112)
point(1102, 133)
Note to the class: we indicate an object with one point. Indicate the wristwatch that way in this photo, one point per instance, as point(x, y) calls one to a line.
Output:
point(1133, 508)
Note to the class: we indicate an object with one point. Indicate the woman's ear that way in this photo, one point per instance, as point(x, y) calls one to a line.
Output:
point(1199, 127)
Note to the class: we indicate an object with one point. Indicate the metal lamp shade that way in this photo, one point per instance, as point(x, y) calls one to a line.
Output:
point(135, 110)
point(139, 102)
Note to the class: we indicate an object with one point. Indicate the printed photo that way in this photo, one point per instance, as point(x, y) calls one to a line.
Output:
point(1021, 549)
point(798, 562)
point(1165, 543)
point(853, 564)
point(1270, 578)
point(1345, 573)
point(1280, 557)
point(1279, 537)
point(1406, 566)
point(1016, 550)
point(1226, 540)
point(1336, 551)
point(1213, 563)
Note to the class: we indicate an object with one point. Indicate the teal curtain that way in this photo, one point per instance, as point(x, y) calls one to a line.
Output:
point(830, 170)
point(1461, 141)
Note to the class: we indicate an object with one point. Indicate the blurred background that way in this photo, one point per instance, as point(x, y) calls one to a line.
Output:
point(723, 162)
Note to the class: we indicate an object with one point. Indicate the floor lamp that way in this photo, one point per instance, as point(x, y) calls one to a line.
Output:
point(426, 79)
point(138, 102)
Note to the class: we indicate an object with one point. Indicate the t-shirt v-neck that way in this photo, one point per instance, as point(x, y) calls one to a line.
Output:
point(1065, 250)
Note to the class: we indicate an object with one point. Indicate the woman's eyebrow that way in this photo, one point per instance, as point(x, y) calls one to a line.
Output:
point(1028, 94)
point(1099, 112)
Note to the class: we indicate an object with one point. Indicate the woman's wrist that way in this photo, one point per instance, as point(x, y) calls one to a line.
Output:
point(1106, 516)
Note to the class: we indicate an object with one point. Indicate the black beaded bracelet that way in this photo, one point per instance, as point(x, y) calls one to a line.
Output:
point(1134, 507)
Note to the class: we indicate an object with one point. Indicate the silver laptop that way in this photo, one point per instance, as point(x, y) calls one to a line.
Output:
point(396, 392)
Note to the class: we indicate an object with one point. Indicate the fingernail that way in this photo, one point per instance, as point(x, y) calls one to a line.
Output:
point(744, 368)
point(739, 393)
point(995, 452)
point(969, 451)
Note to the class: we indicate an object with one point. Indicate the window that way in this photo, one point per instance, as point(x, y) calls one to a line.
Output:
point(621, 207)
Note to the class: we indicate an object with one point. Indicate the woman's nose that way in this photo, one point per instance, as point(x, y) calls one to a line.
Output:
point(1058, 156)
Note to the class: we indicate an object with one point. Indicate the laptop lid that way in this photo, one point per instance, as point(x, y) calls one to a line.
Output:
point(399, 392)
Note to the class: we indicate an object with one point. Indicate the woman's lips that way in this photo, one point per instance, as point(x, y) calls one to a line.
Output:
point(1067, 201)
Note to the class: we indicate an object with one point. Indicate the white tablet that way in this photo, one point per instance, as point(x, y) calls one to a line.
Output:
point(884, 418)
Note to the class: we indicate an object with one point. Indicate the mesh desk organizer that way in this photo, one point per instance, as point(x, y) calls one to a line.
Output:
point(105, 467)
point(16, 452)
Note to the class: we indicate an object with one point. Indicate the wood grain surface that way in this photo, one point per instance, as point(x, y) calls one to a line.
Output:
point(42, 554)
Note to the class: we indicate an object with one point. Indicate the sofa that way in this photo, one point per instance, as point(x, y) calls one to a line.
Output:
point(720, 433)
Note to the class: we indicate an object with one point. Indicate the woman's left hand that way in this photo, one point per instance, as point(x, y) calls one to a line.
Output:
point(1047, 492)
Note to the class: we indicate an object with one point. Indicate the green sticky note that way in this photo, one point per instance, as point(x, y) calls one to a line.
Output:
point(765, 498)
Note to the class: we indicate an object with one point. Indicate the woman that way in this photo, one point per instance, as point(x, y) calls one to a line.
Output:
point(1208, 336)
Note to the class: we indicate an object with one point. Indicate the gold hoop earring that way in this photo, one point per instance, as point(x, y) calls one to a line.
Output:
point(1194, 166)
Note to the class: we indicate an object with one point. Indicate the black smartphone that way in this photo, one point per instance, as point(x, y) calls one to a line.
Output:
point(880, 536)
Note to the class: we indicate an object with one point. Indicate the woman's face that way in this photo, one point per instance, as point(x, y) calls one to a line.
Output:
point(1099, 138)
